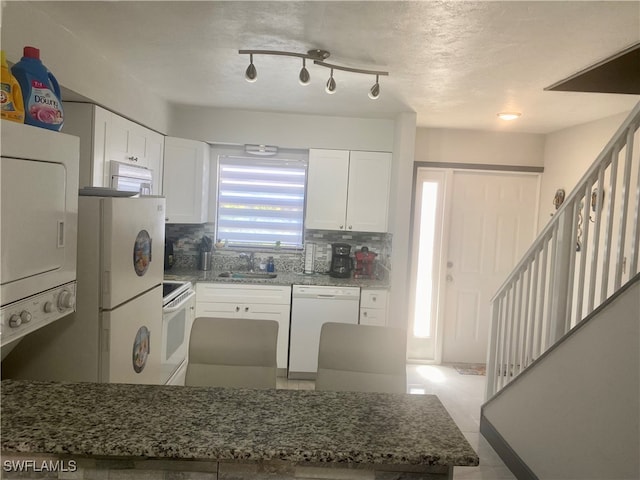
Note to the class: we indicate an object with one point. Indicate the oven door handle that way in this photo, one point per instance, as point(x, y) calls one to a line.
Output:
point(180, 305)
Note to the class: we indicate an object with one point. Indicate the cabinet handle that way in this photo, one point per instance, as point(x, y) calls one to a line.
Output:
point(341, 227)
point(373, 299)
point(364, 314)
point(132, 158)
point(350, 227)
point(237, 309)
point(246, 309)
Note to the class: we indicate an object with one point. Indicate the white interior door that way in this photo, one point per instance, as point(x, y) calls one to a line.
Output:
point(492, 222)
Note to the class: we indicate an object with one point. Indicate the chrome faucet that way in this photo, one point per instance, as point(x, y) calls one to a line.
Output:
point(250, 260)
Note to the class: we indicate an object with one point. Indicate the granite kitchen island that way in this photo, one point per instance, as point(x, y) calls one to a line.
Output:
point(147, 431)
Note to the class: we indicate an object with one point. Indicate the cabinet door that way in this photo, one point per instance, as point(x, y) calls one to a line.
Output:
point(327, 189)
point(279, 313)
point(373, 316)
point(373, 298)
point(100, 158)
point(123, 140)
point(90, 123)
point(155, 157)
point(137, 144)
point(186, 180)
point(368, 201)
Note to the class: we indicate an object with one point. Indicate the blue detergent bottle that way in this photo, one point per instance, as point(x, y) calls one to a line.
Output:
point(40, 91)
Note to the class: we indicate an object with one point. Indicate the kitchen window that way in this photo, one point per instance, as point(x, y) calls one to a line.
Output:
point(261, 202)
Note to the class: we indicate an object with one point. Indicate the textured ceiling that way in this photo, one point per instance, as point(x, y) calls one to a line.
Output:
point(454, 63)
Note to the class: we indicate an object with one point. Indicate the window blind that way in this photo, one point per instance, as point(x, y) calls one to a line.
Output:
point(261, 202)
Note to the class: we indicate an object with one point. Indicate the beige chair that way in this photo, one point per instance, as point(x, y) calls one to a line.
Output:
point(232, 352)
point(362, 358)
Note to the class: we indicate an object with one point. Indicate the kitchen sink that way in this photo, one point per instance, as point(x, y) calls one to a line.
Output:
point(249, 275)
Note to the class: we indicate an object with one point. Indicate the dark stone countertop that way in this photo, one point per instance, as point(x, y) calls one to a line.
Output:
point(303, 427)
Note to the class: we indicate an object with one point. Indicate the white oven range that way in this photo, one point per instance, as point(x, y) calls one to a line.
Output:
point(178, 310)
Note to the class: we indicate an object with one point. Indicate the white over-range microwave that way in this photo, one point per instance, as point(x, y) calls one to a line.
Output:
point(38, 228)
point(130, 178)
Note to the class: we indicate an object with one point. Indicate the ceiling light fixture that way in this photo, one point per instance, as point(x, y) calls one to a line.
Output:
point(508, 115)
point(331, 84)
point(304, 77)
point(318, 56)
point(374, 93)
point(262, 150)
point(251, 74)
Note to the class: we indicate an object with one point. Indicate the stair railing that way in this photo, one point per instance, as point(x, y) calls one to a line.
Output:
point(586, 252)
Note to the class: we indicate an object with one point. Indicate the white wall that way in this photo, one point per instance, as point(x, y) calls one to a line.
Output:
point(481, 147)
point(575, 414)
point(568, 154)
point(287, 130)
point(78, 67)
point(400, 217)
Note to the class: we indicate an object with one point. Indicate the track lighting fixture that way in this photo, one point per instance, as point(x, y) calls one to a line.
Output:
point(331, 84)
point(251, 74)
point(304, 76)
point(318, 56)
point(374, 93)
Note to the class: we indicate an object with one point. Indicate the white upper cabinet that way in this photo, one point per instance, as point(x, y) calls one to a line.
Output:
point(348, 191)
point(186, 180)
point(155, 159)
point(105, 136)
point(131, 143)
point(327, 182)
point(368, 199)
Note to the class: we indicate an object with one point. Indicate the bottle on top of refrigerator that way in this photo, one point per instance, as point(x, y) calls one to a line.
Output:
point(40, 91)
point(10, 94)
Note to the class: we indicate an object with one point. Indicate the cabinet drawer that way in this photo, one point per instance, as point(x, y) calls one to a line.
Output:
point(373, 316)
point(241, 294)
point(373, 298)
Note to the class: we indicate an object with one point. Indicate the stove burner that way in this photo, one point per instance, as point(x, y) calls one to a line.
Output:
point(172, 289)
point(167, 288)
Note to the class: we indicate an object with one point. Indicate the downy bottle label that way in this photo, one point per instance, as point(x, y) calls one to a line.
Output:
point(43, 104)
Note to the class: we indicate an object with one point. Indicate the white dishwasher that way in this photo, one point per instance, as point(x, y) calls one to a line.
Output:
point(312, 306)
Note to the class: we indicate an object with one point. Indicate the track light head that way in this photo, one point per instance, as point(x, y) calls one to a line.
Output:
point(251, 74)
point(374, 93)
point(331, 84)
point(304, 77)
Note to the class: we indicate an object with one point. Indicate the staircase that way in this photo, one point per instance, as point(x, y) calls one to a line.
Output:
point(585, 258)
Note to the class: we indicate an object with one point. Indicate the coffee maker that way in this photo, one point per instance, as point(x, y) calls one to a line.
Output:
point(341, 262)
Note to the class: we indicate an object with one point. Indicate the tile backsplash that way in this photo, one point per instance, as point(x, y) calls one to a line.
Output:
point(187, 239)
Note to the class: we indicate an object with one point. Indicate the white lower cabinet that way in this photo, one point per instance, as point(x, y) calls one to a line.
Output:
point(258, 302)
point(373, 307)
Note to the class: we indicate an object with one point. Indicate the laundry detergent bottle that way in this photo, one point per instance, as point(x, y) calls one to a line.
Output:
point(10, 95)
point(40, 91)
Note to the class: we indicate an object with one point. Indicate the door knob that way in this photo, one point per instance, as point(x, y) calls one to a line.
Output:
point(449, 278)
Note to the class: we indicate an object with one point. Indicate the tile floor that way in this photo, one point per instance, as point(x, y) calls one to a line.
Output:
point(462, 396)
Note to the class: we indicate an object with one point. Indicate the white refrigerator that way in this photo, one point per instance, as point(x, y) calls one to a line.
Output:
point(116, 333)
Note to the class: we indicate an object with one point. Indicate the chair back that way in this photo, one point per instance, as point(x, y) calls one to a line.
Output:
point(232, 352)
point(363, 358)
